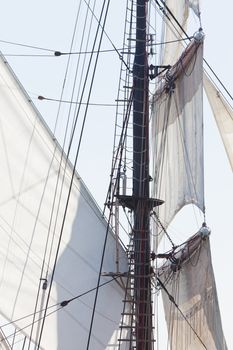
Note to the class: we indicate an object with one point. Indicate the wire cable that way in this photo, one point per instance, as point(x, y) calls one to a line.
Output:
point(61, 305)
point(28, 46)
point(56, 53)
point(164, 229)
point(108, 37)
point(172, 299)
point(185, 33)
point(75, 162)
point(66, 302)
point(58, 175)
point(107, 230)
point(78, 103)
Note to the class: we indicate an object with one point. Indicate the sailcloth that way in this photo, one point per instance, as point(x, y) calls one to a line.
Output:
point(223, 114)
point(172, 49)
point(34, 184)
point(175, 23)
point(177, 136)
point(195, 323)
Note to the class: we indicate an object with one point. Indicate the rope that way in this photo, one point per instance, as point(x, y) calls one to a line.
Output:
point(164, 229)
point(77, 103)
point(24, 45)
point(171, 298)
point(66, 302)
point(119, 149)
point(114, 47)
point(75, 162)
point(56, 53)
point(61, 305)
point(84, 61)
point(56, 188)
point(185, 33)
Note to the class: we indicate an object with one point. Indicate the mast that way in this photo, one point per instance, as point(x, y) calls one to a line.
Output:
point(141, 228)
point(138, 285)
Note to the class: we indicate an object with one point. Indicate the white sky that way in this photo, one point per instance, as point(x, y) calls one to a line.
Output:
point(49, 24)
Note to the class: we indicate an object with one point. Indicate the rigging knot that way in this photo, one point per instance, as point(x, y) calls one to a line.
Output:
point(169, 83)
point(175, 264)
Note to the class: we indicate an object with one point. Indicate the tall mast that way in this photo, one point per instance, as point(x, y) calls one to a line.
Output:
point(138, 288)
point(141, 228)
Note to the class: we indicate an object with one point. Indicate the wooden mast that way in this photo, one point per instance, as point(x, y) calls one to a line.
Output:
point(141, 334)
point(141, 228)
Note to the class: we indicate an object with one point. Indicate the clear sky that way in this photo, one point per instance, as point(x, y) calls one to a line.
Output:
point(49, 24)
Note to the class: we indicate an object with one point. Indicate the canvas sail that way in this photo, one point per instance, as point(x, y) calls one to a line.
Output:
point(34, 185)
point(174, 29)
point(223, 115)
point(195, 323)
point(177, 136)
point(172, 50)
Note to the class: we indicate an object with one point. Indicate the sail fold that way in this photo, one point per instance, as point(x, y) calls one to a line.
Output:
point(177, 136)
point(223, 114)
point(193, 319)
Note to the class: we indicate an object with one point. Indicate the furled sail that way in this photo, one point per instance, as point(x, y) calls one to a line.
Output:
point(177, 135)
point(34, 184)
point(223, 114)
point(193, 319)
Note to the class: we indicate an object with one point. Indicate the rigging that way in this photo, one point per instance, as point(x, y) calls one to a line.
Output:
point(185, 33)
point(171, 298)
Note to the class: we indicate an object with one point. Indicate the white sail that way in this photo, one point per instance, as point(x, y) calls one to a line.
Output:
point(195, 322)
point(175, 23)
point(223, 114)
point(34, 185)
point(177, 133)
point(173, 48)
